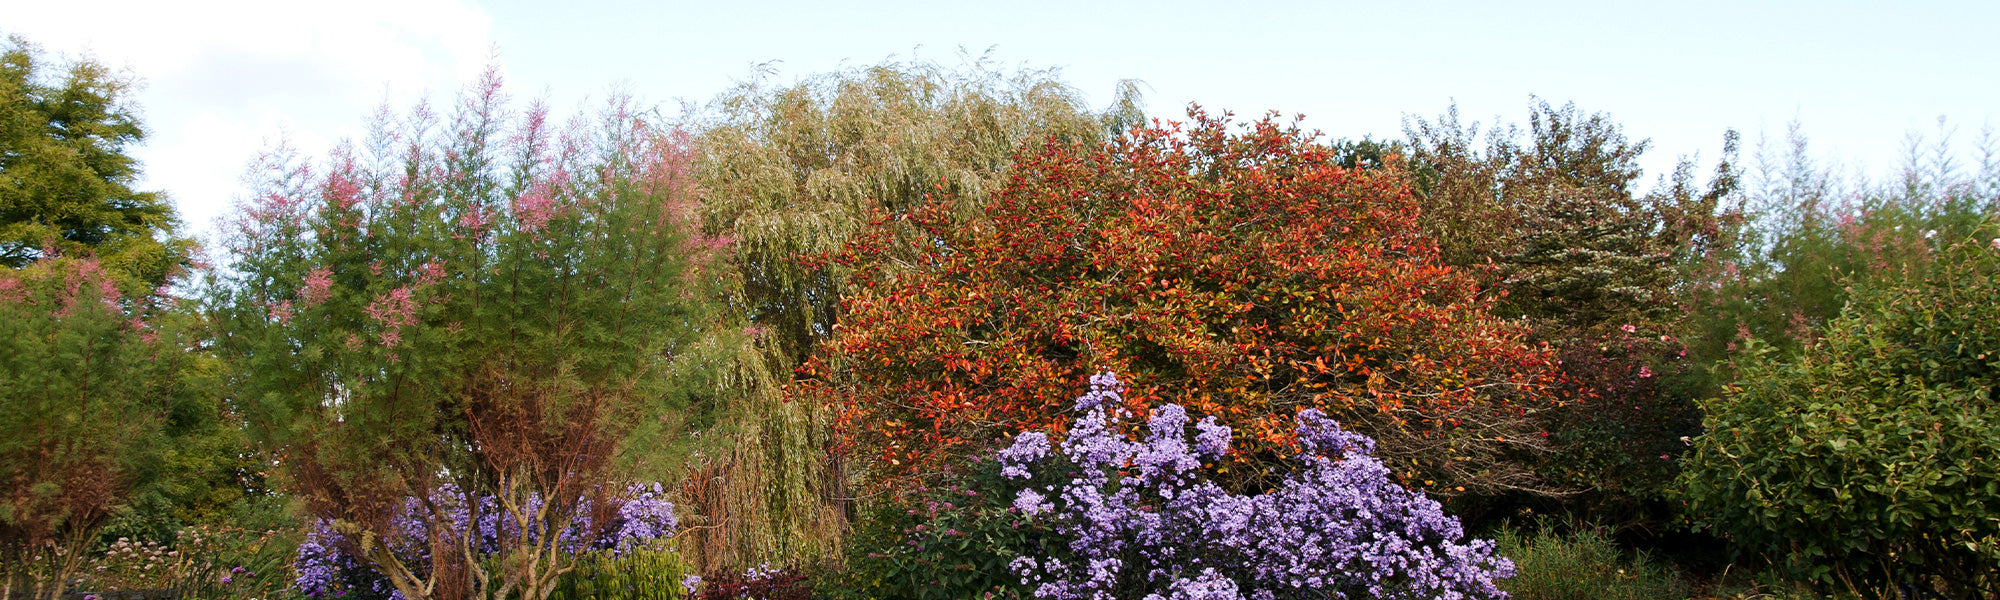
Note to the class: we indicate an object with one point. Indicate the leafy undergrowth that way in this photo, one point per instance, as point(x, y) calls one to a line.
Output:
point(1584, 564)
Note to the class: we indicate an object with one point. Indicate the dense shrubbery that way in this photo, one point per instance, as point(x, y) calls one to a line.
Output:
point(1584, 564)
point(442, 341)
point(1871, 461)
point(1115, 510)
point(1235, 270)
point(943, 543)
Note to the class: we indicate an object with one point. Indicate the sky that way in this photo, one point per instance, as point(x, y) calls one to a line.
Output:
point(225, 79)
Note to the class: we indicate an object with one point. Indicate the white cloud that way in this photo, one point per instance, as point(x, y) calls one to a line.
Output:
point(225, 78)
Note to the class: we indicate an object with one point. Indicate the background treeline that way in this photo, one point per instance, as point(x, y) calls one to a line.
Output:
point(811, 309)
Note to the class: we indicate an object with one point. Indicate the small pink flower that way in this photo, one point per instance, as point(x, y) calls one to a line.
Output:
point(1645, 372)
point(1628, 329)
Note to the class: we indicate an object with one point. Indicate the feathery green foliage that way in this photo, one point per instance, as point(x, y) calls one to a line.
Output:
point(91, 382)
point(488, 302)
point(65, 180)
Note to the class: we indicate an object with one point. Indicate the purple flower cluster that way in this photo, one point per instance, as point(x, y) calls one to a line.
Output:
point(327, 570)
point(1141, 521)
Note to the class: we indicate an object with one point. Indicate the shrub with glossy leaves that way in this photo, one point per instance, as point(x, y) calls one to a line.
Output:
point(1141, 520)
point(1872, 460)
point(947, 542)
point(1237, 271)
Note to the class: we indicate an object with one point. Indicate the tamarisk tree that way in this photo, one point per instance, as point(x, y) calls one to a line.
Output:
point(483, 306)
point(89, 382)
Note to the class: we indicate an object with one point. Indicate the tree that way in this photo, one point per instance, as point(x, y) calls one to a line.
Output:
point(474, 316)
point(1870, 462)
point(1812, 235)
point(90, 382)
point(65, 180)
point(1549, 217)
point(794, 172)
point(790, 173)
point(1243, 275)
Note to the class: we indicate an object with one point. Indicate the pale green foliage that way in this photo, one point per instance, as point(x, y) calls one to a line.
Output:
point(793, 172)
point(1814, 232)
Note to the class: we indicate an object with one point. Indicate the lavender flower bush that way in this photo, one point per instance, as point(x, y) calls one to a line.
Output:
point(327, 568)
point(1141, 522)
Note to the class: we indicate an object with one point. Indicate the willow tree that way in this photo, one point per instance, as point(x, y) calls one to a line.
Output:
point(486, 306)
point(790, 174)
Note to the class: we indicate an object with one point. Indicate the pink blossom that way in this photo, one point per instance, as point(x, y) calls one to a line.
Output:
point(431, 272)
point(319, 286)
point(343, 187)
point(1628, 328)
point(11, 290)
point(281, 311)
point(394, 310)
point(1645, 372)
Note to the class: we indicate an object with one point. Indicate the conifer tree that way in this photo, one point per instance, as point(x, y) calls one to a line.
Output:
point(65, 177)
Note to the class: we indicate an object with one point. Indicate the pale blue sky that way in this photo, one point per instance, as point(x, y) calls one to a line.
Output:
point(226, 77)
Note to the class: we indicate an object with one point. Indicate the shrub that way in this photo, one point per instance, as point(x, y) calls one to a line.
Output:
point(948, 542)
point(1583, 565)
point(763, 582)
point(91, 382)
point(1139, 519)
point(486, 300)
point(1233, 270)
point(636, 574)
point(1870, 461)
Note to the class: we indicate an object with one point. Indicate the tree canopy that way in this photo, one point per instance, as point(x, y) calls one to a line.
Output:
point(1241, 274)
point(65, 178)
point(478, 305)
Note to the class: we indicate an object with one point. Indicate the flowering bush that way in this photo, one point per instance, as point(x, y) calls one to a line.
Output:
point(328, 567)
point(202, 561)
point(763, 582)
point(485, 299)
point(1869, 462)
point(1141, 521)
